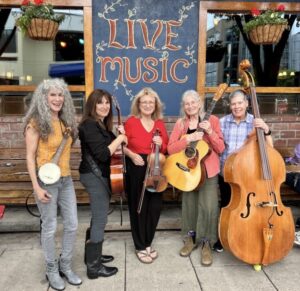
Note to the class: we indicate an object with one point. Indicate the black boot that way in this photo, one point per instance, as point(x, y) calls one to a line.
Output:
point(104, 258)
point(94, 266)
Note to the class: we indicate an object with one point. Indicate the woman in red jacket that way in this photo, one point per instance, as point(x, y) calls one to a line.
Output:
point(200, 210)
point(145, 119)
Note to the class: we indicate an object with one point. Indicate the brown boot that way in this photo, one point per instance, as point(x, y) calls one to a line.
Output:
point(188, 247)
point(206, 255)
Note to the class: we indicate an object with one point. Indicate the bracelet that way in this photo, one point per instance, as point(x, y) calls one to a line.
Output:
point(268, 133)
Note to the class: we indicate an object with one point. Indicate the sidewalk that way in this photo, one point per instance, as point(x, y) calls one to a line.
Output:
point(22, 267)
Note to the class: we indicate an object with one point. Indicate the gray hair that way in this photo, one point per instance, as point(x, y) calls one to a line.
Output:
point(40, 112)
point(195, 95)
point(236, 93)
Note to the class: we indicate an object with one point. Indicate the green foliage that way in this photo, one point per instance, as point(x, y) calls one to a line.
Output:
point(31, 11)
point(268, 17)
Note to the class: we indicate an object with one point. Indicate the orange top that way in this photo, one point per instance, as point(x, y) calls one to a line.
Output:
point(47, 148)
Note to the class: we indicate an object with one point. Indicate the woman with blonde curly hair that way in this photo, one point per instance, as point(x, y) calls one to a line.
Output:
point(145, 119)
point(50, 114)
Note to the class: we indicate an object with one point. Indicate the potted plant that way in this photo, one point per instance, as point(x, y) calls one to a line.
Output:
point(266, 27)
point(38, 20)
point(215, 51)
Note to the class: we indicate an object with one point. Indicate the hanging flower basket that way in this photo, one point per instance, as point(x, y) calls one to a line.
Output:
point(267, 34)
point(42, 29)
point(215, 54)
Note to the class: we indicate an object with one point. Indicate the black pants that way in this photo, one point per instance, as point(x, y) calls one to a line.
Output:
point(225, 192)
point(143, 225)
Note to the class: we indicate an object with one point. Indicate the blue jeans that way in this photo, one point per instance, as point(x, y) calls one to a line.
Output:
point(63, 196)
point(99, 203)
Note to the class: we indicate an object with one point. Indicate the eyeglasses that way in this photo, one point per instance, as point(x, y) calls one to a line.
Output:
point(147, 103)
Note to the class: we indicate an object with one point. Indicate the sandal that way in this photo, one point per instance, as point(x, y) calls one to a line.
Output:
point(153, 254)
point(144, 257)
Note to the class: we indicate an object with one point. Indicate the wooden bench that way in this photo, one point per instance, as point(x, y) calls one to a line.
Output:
point(287, 193)
point(15, 184)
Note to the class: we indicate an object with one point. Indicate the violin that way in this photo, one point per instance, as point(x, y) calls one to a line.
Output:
point(255, 226)
point(117, 164)
point(154, 180)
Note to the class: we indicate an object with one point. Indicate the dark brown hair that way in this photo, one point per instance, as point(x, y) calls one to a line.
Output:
point(90, 108)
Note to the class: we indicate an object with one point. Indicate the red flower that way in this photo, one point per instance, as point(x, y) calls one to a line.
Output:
point(25, 2)
point(281, 7)
point(38, 2)
point(255, 12)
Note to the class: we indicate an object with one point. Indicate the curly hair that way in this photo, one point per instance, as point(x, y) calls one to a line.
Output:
point(135, 110)
point(195, 95)
point(39, 109)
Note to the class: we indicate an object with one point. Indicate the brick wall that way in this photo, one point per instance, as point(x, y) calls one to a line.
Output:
point(285, 130)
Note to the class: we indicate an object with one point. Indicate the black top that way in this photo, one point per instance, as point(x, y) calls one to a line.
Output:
point(95, 140)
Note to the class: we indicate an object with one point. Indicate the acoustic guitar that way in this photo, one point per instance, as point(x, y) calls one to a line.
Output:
point(183, 169)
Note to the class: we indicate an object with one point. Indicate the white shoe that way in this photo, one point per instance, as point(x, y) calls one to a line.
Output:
point(297, 238)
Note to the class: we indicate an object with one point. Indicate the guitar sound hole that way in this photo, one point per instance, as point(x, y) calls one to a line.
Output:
point(190, 152)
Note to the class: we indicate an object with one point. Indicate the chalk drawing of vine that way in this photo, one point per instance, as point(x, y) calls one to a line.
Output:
point(190, 53)
point(128, 92)
point(182, 12)
point(110, 8)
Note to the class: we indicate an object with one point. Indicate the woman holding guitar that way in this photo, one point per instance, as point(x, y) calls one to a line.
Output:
point(49, 123)
point(200, 206)
point(98, 144)
point(145, 119)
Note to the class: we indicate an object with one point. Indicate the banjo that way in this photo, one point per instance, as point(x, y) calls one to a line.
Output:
point(50, 173)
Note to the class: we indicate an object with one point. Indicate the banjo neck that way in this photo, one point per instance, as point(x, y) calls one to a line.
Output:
point(61, 147)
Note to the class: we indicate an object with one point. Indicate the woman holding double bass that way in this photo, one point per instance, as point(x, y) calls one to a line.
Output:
point(145, 120)
point(98, 144)
point(200, 209)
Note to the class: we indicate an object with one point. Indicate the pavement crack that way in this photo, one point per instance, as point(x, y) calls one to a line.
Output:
point(198, 279)
point(270, 280)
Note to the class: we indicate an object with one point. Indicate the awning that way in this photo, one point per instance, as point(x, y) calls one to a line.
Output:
point(66, 70)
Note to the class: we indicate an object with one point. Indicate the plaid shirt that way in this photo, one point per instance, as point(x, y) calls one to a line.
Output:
point(234, 134)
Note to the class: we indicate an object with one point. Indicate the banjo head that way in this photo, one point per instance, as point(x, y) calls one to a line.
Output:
point(49, 173)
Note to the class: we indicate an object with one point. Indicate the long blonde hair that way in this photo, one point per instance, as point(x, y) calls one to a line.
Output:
point(135, 109)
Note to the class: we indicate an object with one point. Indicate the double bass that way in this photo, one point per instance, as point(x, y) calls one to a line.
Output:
point(255, 226)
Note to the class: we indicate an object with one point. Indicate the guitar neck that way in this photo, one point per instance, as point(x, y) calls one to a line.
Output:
point(206, 117)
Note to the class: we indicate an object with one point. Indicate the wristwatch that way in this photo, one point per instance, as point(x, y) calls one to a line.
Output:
point(268, 133)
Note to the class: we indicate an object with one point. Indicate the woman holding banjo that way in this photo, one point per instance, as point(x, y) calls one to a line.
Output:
point(98, 144)
point(50, 130)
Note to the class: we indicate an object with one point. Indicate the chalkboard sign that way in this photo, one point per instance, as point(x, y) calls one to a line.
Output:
point(146, 43)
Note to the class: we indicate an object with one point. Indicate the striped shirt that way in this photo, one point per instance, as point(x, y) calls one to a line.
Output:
point(234, 134)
